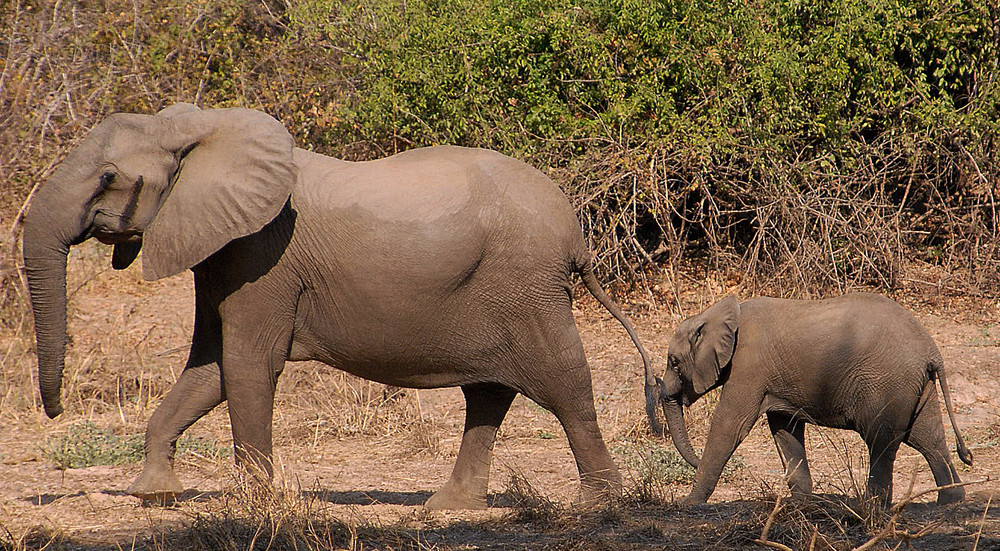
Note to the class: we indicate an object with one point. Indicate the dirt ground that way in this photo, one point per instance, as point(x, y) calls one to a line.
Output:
point(346, 452)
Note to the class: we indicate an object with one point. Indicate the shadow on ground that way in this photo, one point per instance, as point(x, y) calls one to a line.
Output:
point(372, 497)
point(728, 525)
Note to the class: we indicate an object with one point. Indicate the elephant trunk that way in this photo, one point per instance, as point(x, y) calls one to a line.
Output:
point(674, 412)
point(46, 244)
point(652, 398)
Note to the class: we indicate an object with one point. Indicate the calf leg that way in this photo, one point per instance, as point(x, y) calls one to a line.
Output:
point(927, 436)
point(789, 437)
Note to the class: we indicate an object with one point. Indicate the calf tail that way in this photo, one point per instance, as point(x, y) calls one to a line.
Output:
point(963, 451)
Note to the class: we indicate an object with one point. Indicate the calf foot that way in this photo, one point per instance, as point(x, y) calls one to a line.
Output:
point(951, 495)
point(692, 499)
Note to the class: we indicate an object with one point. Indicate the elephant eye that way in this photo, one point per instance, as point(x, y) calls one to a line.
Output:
point(107, 179)
point(674, 362)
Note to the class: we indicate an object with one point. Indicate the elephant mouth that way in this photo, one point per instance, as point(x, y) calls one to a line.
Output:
point(116, 238)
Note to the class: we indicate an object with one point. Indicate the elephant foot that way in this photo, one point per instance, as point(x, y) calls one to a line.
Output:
point(157, 485)
point(598, 494)
point(691, 500)
point(951, 495)
point(451, 498)
point(800, 490)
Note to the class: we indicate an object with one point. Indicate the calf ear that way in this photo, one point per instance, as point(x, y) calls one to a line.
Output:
point(713, 342)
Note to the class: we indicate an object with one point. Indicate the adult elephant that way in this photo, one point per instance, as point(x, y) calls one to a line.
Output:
point(859, 361)
point(437, 267)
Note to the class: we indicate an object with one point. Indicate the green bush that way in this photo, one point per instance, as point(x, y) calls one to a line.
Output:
point(804, 145)
point(809, 145)
point(785, 74)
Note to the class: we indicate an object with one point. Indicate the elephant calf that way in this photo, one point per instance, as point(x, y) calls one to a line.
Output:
point(858, 362)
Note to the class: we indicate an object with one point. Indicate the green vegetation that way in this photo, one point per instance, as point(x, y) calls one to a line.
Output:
point(86, 445)
point(657, 466)
point(801, 146)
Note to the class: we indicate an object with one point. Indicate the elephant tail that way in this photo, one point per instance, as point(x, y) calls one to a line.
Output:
point(963, 451)
point(652, 389)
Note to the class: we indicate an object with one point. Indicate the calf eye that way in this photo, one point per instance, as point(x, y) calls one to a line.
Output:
point(107, 179)
point(674, 362)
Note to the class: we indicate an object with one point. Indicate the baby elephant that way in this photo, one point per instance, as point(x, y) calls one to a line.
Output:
point(858, 362)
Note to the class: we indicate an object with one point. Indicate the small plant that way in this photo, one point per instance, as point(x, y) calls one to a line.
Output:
point(660, 466)
point(204, 447)
point(654, 467)
point(87, 445)
point(545, 434)
point(986, 337)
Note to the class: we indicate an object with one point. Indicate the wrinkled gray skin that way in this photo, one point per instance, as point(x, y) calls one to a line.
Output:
point(858, 362)
point(436, 267)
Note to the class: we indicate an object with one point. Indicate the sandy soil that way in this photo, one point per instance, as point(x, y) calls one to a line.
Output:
point(379, 476)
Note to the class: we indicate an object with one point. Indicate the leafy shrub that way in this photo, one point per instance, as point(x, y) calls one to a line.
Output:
point(654, 465)
point(86, 445)
point(803, 146)
point(807, 145)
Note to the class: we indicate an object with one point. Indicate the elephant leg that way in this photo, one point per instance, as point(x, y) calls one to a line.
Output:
point(250, 384)
point(486, 406)
point(566, 390)
point(254, 352)
point(927, 436)
point(789, 436)
point(599, 477)
point(197, 391)
point(731, 423)
point(882, 448)
point(571, 400)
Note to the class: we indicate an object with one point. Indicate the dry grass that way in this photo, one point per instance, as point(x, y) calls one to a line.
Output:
point(119, 370)
point(247, 514)
point(344, 406)
point(254, 513)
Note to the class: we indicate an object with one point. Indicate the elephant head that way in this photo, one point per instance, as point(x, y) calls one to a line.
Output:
point(699, 350)
point(179, 184)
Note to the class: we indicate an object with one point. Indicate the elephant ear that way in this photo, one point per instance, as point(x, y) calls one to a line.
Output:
point(235, 174)
point(713, 342)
